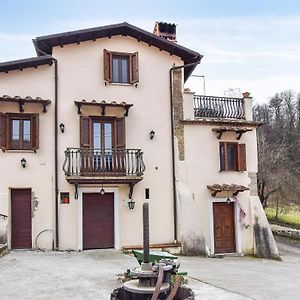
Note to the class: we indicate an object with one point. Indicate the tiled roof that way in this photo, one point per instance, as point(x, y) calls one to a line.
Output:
point(25, 63)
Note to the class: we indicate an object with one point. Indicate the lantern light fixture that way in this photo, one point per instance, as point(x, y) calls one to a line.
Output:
point(131, 204)
point(228, 199)
point(23, 162)
point(152, 134)
point(62, 127)
point(102, 191)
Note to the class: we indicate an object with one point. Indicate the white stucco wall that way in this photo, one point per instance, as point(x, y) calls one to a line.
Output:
point(81, 71)
point(39, 172)
point(80, 76)
point(201, 168)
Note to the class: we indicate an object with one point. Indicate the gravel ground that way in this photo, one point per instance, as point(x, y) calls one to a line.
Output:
point(92, 275)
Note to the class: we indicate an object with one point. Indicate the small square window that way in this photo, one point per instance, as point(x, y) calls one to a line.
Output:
point(19, 131)
point(120, 67)
point(64, 198)
point(147, 193)
point(232, 157)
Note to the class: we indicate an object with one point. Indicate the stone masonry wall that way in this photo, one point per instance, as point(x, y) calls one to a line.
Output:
point(178, 111)
point(253, 183)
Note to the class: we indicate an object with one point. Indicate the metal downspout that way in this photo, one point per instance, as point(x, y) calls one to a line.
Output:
point(55, 147)
point(173, 146)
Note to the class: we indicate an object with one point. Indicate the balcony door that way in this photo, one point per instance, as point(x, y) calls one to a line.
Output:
point(102, 134)
point(102, 143)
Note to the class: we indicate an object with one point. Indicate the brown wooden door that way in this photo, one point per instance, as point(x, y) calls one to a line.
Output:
point(98, 220)
point(224, 227)
point(21, 219)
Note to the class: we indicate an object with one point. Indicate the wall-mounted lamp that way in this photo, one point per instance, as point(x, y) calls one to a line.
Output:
point(102, 191)
point(228, 199)
point(23, 162)
point(131, 204)
point(152, 134)
point(62, 127)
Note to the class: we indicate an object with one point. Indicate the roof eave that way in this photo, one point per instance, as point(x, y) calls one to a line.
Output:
point(32, 62)
point(46, 43)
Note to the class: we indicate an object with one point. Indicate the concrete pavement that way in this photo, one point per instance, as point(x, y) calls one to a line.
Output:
point(92, 275)
point(251, 277)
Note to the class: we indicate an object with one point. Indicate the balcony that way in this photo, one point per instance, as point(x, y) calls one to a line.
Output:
point(110, 166)
point(219, 107)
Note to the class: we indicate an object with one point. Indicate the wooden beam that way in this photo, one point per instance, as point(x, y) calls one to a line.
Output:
point(78, 108)
point(23, 101)
point(21, 106)
point(103, 109)
point(219, 135)
point(103, 105)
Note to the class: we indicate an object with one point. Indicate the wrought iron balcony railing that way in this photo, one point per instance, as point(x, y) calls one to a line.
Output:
point(218, 107)
point(103, 162)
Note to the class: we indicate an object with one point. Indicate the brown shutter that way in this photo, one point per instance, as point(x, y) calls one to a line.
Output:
point(242, 157)
point(134, 68)
point(222, 157)
point(107, 63)
point(3, 131)
point(120, 133)
point(35, 132)
point(85, 140)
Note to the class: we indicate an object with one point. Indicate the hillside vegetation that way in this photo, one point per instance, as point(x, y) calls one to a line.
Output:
point(279, 150)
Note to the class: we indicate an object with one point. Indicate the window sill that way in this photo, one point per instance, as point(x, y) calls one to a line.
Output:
point(18, 151)
point(231, 171)
point(121, 84)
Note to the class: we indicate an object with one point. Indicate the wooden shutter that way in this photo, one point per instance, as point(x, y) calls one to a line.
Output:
point(134, 68)
point(85, 140)
point(242, 157)
point(35, 132)
point(107, 63)
point(222, 157)
point(3, 131)
point(120, 133)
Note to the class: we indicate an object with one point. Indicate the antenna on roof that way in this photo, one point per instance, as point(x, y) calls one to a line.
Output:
point(203, 77)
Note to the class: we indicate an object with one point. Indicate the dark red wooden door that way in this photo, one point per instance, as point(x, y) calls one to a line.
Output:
point(224, 227)
point(21, 219)
point(98, 220)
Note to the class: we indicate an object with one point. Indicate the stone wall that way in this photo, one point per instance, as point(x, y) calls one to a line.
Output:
point(178, 111)
point(253, 184)
point(3, 230)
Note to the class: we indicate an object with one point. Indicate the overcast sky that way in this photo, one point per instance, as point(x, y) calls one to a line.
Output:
point(247, 45)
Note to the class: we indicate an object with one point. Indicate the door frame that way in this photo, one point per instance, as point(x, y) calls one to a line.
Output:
point(86, 190)
point(237, 229)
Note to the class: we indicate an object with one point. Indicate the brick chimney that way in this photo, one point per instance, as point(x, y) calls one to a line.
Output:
point(165, 30)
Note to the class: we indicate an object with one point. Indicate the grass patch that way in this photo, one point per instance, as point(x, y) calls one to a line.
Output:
point(287, 215)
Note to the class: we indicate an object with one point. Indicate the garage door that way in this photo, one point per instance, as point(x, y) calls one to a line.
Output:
point(98, 220)
point(21, 219)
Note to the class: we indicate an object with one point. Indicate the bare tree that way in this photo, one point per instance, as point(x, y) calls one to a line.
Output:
point(279, 148)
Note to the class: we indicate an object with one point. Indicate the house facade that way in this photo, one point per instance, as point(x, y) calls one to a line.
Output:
point(98, 123)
